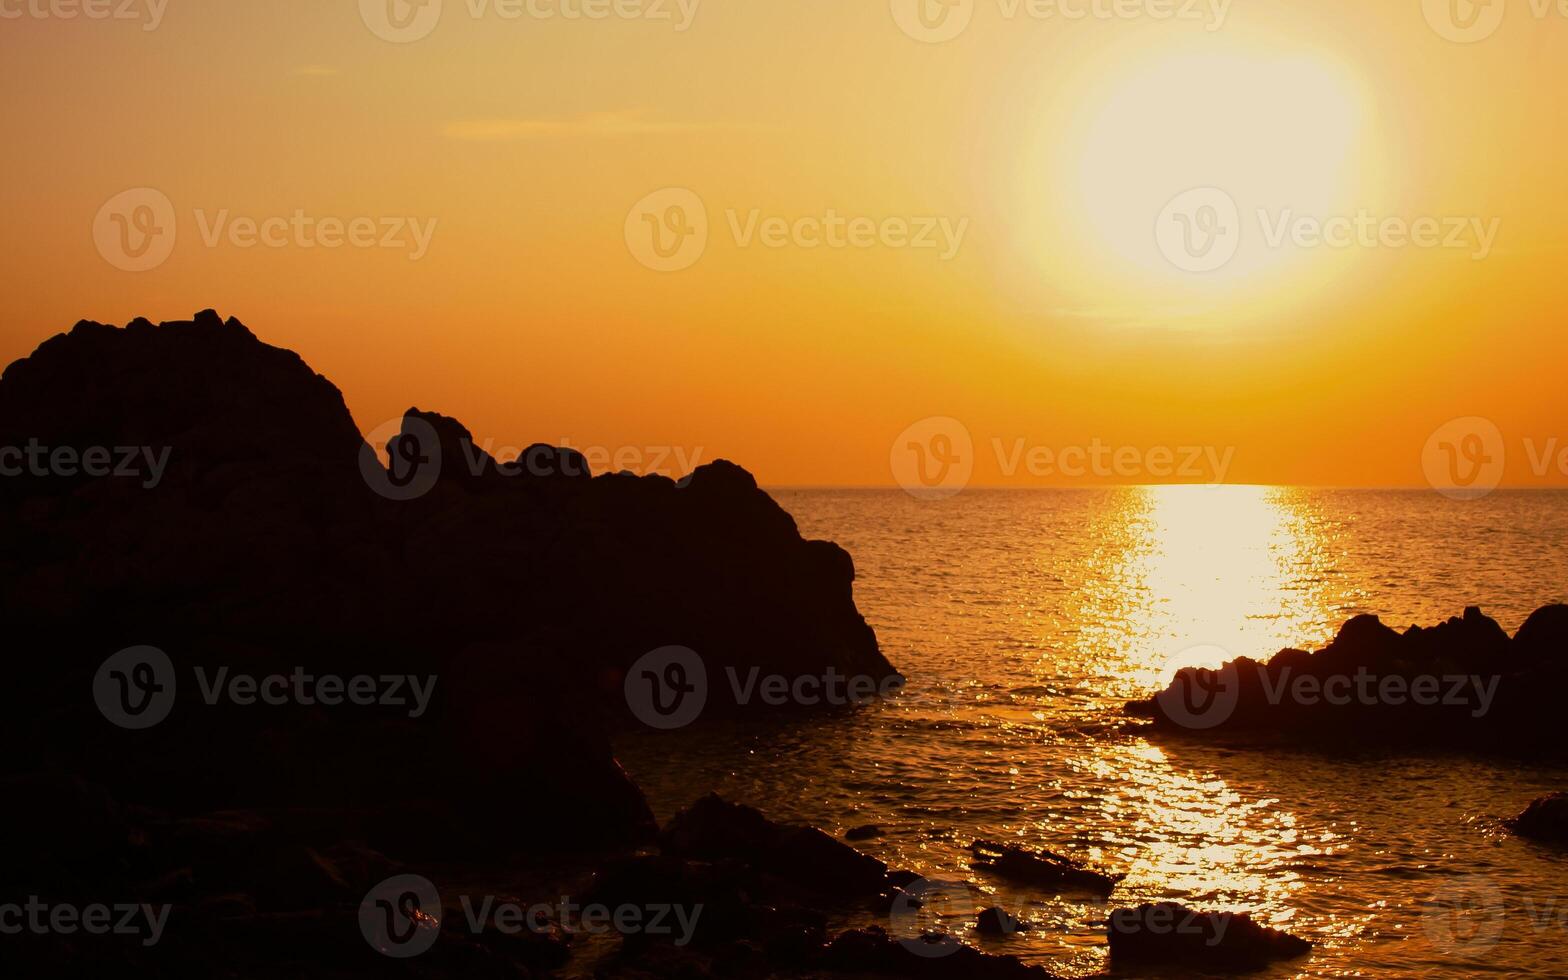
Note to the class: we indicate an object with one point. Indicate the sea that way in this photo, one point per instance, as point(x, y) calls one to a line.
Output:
point(1024, 620)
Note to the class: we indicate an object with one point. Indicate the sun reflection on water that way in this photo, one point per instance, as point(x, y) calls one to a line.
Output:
point(1239, 568)
point(1186, 576)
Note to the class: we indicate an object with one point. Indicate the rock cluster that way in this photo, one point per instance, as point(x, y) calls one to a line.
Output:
point(1464, 684)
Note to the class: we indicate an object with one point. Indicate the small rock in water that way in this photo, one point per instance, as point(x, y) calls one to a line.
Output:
point(863, 832)
point(998, 922)
point(1042, 869)
point(1169, 934)
point(902, 879)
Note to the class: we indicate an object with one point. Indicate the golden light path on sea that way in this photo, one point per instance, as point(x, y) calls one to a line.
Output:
point(1203, 574)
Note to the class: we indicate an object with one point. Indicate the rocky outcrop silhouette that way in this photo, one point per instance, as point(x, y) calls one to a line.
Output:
point(1464, 684)
point(233, 518)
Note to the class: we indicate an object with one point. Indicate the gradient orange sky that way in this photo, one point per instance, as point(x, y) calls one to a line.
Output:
point(1056, 323)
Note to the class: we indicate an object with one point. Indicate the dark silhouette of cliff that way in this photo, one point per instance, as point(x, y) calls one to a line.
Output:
point(272, 538)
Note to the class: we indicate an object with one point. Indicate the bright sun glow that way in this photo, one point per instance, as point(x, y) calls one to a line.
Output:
point(1273, 133)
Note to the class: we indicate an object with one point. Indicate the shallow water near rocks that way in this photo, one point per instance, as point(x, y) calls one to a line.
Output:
point(1025, 619)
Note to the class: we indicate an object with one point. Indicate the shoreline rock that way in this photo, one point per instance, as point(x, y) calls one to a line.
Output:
point(1463, 685)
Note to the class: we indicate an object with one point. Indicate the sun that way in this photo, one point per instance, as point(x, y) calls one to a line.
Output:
point(1270, 133)
point(1275, 134)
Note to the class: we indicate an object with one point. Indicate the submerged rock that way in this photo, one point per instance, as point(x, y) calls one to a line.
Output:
point(868, 831)
point(1544, 819)
point(1043, 869)
point(1170, 935)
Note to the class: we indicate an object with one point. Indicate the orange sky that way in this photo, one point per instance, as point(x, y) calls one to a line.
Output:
point(1040, 151)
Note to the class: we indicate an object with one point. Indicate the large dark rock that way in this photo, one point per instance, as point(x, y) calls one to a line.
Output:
point(256, 532)
point(1169, 935)
point(1463, 684)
